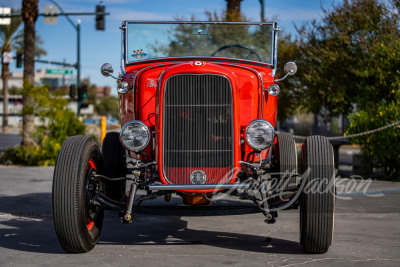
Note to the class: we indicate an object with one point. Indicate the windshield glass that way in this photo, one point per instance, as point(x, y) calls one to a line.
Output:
point(248, 41)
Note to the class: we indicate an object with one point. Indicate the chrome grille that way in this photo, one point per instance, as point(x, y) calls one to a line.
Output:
point(197, 128)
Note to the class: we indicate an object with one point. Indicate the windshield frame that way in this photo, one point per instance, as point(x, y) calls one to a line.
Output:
point(124, 41)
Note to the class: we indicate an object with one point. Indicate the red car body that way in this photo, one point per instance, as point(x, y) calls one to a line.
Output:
point(251, 101)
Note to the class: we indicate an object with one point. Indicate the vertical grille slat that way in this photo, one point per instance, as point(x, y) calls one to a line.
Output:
point(198, 128)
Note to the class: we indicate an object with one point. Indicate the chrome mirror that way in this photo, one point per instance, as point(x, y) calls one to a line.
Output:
point(107, 69)
point(290, 68)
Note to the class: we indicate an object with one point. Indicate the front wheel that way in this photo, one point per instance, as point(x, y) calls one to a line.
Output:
point(317, 197)
point(77, 218)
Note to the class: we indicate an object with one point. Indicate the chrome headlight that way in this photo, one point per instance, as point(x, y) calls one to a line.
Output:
point(274, 89)
point(135, 136)
point(123, 87)
point(260, 134)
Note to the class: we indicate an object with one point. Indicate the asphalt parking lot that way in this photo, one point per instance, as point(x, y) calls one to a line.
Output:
point(367, 232)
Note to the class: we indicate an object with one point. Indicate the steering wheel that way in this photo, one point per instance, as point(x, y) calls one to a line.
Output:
point(251, 51)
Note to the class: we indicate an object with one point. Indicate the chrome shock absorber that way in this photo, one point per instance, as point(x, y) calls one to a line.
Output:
point(132, 194)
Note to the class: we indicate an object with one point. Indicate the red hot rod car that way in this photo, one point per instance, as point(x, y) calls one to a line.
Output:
point(198, 105)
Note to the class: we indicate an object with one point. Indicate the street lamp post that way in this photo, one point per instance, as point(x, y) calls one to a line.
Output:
point(77, 27)
point(78, 59)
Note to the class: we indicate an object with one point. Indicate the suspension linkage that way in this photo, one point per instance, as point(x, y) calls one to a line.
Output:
point(112, 179)
point(108, 202)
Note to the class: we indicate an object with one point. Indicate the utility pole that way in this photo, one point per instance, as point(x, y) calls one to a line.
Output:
point(77, 27)
point(78, 59)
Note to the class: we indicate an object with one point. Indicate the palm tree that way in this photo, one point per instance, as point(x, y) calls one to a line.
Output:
point(262, 15)
point(9, 37)
point(233, 10)
point(29, 14)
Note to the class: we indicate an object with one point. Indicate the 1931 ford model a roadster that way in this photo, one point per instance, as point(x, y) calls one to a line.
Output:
point(198, 105)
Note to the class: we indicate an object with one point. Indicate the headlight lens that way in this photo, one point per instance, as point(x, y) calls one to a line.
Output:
point(274, 89)
point(135, 136)
point(259, 134)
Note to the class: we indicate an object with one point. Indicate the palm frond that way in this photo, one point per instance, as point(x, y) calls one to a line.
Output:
point(9, 34)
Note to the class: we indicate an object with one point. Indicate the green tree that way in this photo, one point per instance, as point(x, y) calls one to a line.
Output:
point(39, 50)
point(290, 95)
point(12, 39)
point(341, 58)
point(9, 35)
point(108, 105)
point(92, 94)
point(57, 123)
point(351, 64)
point(382, 147)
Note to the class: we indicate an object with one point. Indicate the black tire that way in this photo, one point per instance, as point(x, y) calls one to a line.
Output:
point(317, 206)
point(114, 165)
point(285, 159)
point(77, 223)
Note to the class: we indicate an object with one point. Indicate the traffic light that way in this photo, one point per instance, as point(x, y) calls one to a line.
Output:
point(19, 60)
point(82, 92)
point(100, 19)
point(72, 89)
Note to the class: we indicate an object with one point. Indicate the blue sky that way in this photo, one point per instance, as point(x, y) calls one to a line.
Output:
point(98, 47)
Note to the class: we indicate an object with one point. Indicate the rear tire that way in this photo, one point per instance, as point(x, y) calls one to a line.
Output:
point(77, 222)
point(114, 165)
point(317, 197)
point(285, 160)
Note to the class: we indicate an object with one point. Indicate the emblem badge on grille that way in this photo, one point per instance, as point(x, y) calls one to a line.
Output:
point(198, 177)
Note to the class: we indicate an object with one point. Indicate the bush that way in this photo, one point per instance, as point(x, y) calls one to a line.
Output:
point(108, 105)
point(382, 147)
point(57, 123)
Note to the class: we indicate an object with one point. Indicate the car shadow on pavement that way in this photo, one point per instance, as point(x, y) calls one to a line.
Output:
point(156, 230)
point(26, 224)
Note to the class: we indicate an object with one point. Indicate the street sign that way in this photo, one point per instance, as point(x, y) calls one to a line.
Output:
point(59, 71)
point(7, 57)
point(5, 11)
point(50, 16)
